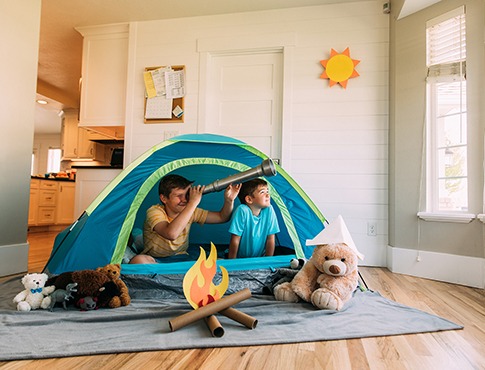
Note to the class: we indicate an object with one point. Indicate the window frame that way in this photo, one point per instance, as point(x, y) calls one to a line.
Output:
point(448, 71)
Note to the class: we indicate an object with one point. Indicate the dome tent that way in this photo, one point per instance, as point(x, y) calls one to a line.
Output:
point(101, 233)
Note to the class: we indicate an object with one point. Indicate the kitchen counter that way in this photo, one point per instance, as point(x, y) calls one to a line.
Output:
point(95, 167)
point(52, 178)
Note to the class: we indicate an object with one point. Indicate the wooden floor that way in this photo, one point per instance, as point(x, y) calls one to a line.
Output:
point(456, 349)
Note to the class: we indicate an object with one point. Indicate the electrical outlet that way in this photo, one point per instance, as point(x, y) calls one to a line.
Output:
point(371, 228)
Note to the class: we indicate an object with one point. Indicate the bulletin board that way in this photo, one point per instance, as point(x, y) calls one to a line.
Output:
point(164, 104)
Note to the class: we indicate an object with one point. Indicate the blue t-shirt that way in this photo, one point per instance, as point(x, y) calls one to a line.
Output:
point(253, 230)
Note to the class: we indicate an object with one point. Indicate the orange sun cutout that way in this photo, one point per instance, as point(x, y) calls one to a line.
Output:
point(339, 68)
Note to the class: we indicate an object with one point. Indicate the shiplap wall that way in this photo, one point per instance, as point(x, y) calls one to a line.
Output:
point(336, 144)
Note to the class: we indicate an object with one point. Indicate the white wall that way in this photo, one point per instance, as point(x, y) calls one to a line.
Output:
point(447, 251)
point(335, 139)
point(19, 27)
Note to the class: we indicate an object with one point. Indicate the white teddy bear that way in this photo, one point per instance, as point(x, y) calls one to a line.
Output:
point(35, 294)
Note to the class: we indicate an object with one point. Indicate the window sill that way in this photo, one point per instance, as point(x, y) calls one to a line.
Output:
point(463, 218)
point(481, 217)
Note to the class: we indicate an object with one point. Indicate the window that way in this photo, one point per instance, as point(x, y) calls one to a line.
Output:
point(54, 160)
point(32, 165)
point(447, 179)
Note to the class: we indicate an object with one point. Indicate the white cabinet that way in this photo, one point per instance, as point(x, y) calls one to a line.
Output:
point(51, 202)
point(65, 203)
point(104, 75)
point(75, 142)
point(69, 134)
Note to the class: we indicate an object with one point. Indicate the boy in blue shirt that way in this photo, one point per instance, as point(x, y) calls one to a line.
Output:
point(254, 224)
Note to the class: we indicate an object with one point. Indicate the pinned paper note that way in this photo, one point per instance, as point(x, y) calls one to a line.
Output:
point(158, 107)
point(335, 232)
point(175, 84)
point(149, 85)
point(177, 112)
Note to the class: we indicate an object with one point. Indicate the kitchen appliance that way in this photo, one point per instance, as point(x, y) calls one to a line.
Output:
point(117, 158)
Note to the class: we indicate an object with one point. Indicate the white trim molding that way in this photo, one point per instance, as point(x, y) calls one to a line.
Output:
point(463, 218)
point(481, 217)
point(450, 268)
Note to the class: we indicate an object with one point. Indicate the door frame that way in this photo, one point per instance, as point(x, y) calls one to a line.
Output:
point(284, 43)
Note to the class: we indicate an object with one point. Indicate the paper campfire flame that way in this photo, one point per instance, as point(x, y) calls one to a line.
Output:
point(199, 290)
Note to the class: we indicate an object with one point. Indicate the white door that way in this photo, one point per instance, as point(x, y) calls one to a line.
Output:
point(244, 99)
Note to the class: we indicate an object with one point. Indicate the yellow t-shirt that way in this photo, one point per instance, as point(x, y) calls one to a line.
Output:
point(155, 244)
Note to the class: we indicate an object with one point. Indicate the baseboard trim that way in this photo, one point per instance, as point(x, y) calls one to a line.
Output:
point(450, 268)
point(14, 259)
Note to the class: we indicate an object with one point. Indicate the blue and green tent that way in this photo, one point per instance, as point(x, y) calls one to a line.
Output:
point(101, 234)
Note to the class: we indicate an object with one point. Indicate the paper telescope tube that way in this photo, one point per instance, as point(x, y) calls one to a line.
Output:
point(210, 309)
point(266, 168)
point(214, 326)
point(242, 318)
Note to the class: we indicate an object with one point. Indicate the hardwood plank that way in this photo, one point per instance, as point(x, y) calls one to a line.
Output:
point(457, 349)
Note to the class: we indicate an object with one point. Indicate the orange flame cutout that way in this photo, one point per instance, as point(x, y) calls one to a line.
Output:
point(199, 290)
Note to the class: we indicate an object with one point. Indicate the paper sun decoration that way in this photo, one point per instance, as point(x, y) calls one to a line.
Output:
point(339, 68)
point(199, 290)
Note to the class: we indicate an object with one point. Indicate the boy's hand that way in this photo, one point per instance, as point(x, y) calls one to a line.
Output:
point(195, 194)
point(231, 192)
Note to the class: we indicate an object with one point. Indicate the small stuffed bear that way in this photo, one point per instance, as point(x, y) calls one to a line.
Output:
point(327, 280)
point(113, 272)
point(35, 295)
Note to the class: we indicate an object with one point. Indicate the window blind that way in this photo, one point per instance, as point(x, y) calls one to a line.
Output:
point(446, 46)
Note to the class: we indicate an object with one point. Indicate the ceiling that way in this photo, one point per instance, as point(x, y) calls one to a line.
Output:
point(60, 45)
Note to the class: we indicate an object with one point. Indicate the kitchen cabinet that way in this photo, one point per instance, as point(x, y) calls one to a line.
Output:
point(46, 212)
point(65, 203)
point(104, 75)
point(69, 134)
point(51, 202)
point(34, 201)
point(75, 143)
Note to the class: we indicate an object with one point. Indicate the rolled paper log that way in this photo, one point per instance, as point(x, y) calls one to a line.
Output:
point(242, 318)
point(214, 326)
point(207, 310)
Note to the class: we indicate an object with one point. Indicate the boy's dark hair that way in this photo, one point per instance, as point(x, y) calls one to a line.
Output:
point(249, 187)
point(170, 182)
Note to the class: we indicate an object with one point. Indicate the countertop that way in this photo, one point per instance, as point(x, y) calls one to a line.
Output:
point(52, 178)
point(78, 167)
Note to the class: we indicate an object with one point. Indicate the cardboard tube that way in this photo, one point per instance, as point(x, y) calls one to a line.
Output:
point(242, 318)
point(214, 326)
point(210, 309)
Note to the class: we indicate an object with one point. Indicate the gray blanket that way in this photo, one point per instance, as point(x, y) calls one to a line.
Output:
point(143, 325)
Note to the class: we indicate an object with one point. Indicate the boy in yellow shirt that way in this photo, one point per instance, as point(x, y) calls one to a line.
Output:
point(167, 225)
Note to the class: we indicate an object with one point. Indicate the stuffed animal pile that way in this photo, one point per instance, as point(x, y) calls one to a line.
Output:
point(327, 280)
point(104, 284)
point(35, 295)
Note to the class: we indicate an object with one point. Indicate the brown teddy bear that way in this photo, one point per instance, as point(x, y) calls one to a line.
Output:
point(89, 282)
point(327, 280)
point(113, 272)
